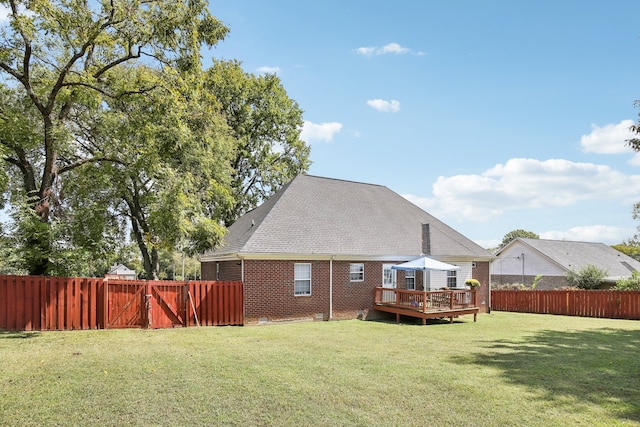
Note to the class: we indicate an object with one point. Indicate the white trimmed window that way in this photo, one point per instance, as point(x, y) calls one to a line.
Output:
point(302, 279)
point(452, 279)
point(356, 272)
point(410, 280)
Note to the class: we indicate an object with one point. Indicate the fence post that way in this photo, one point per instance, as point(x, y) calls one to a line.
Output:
point(147, 304)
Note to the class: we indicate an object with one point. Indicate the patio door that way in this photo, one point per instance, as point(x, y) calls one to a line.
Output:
point(388, 281)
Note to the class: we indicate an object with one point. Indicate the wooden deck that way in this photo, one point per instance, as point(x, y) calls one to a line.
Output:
point(426, 305)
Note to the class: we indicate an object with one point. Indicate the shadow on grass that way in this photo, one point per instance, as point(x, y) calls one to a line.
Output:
point(5, 335)
point(597, 367)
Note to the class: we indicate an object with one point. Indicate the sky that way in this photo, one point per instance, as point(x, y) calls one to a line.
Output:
point(492, 116)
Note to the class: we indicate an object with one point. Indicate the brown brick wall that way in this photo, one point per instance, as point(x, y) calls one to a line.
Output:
point(481, 273)
point(544, 283)
point(228, 270)
point(268, 288)
point(354, 299)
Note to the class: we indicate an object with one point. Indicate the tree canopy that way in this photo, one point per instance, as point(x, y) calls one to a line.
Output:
point(514, 234)
point(109, 124)
point(265, 124)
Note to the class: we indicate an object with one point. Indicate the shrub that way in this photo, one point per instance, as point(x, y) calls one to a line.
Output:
point(536, 281)
point(472, 283)
point(630, 283)
point(508, 287)
point(589, 277)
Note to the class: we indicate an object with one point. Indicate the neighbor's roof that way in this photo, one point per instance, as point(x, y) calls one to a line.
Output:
point(574, 256)
point(323, 216)
point(120, 269)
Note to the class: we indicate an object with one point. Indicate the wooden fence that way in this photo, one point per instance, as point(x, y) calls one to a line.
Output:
point(38, 303)
point(610, 304)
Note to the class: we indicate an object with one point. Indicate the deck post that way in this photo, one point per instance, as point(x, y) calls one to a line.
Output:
point(424, 301)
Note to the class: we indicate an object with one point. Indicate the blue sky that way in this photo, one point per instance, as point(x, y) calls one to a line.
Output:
point(492, 115)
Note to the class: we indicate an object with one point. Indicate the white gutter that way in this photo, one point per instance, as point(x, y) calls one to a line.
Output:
point(302, 257)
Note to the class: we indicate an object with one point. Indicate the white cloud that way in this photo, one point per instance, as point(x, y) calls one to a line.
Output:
point(521, 184)
point(268, 70)
point(609, 139)
point(391, 106)
point(390, 48)
point(319, 132)
point(593, 233)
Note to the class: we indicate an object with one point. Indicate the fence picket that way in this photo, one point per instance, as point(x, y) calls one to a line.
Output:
point(611, 304)
point(58, 303)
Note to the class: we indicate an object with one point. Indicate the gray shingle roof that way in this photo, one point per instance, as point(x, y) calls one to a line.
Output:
point(323, 216)
point(577, 255)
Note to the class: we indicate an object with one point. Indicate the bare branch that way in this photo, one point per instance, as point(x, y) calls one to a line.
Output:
point(118, 61)
point(91, 160)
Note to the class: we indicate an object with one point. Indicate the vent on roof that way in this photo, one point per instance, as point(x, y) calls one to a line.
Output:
point(626, 264)
point(426, 239)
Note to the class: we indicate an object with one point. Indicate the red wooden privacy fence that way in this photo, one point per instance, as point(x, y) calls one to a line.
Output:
point(64, 303)
point(586, 303)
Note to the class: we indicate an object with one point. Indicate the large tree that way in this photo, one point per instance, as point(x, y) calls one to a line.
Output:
point(266, 125)
point(61, 60)
point(169, 169)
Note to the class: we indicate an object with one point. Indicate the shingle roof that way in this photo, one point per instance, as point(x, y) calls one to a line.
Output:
point(324, 216)
point(577, 255)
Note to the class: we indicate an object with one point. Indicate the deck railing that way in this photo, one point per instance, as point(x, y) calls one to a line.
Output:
point(426, 300)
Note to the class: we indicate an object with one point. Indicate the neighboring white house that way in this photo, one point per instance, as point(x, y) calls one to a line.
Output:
point(522, 260)
point(121, 272)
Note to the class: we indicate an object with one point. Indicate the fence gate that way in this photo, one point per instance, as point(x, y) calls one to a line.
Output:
point(125, 304)
point(168, 304)
point(151, 304)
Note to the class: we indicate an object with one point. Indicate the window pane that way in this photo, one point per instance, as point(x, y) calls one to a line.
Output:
point(410, 279)
point(452, 277)
point(302, 279)
point(356, 272)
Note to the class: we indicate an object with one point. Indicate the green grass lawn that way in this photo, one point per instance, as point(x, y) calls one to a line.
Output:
point(507, 369)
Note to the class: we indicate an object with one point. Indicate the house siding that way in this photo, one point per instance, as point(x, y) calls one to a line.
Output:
point(509, 269)
point(510, 263)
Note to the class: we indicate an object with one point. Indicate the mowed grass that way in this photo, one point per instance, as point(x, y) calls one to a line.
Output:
point(506, 369)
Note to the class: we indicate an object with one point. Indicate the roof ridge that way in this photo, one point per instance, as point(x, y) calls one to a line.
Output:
point(342, 180)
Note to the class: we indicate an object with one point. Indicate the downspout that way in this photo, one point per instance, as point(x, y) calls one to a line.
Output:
point(330, 288)
point(489, 290)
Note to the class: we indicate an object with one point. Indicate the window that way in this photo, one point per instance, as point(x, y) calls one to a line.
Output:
point(410, 280)
point(302, 279)
point(356, 272)
point(452, 279)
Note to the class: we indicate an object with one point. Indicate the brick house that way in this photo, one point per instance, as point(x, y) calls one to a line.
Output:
point(318, 247)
